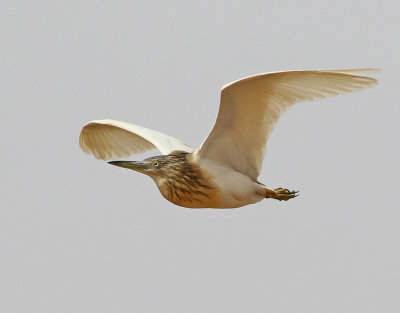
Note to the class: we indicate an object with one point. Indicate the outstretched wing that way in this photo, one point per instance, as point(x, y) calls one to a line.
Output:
point(250, 108)
point(110, 139)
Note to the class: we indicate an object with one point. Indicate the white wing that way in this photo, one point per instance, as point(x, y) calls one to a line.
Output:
point(250, 107)
point(109, 139)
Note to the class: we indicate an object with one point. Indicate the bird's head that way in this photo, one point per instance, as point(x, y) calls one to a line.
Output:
point(158, 166)
point(178, 177)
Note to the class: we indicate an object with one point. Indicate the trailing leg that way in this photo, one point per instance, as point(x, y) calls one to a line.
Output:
point(280, 194)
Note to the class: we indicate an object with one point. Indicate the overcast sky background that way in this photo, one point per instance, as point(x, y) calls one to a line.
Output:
point(78, 235)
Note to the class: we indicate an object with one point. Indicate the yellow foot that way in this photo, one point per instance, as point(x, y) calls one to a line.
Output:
point(284, 194)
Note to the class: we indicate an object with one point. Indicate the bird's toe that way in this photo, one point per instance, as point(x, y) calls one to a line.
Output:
point(285, 194)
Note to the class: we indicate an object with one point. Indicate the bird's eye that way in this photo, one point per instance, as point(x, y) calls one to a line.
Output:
point(156, 164)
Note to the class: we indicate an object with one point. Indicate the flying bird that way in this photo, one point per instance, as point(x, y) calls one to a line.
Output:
point(223, 171)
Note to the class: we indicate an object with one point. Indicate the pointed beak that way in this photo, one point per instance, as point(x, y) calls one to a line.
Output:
point(132, 165)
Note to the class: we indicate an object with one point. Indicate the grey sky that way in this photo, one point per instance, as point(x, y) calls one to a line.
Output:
point(78, 235)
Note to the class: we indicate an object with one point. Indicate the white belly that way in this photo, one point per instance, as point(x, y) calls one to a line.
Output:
point(235, 189)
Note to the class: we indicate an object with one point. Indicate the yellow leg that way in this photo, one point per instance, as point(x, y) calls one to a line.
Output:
point(281, 194)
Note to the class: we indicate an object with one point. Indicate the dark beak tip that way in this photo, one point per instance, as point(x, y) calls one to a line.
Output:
point(133, 165)
point(118, 163)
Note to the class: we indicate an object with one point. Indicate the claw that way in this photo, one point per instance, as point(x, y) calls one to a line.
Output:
point(285, 194)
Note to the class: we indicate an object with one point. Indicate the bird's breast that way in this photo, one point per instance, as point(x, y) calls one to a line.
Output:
point(188, 195)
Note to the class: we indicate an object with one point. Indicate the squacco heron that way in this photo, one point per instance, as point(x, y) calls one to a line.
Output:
point(223, 171)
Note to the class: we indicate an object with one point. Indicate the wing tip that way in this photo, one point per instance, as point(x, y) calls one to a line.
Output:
point(357, 71)
point(84, 142)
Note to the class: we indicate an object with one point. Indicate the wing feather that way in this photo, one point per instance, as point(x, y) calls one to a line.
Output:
point(109, 139)
point(250, 108)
